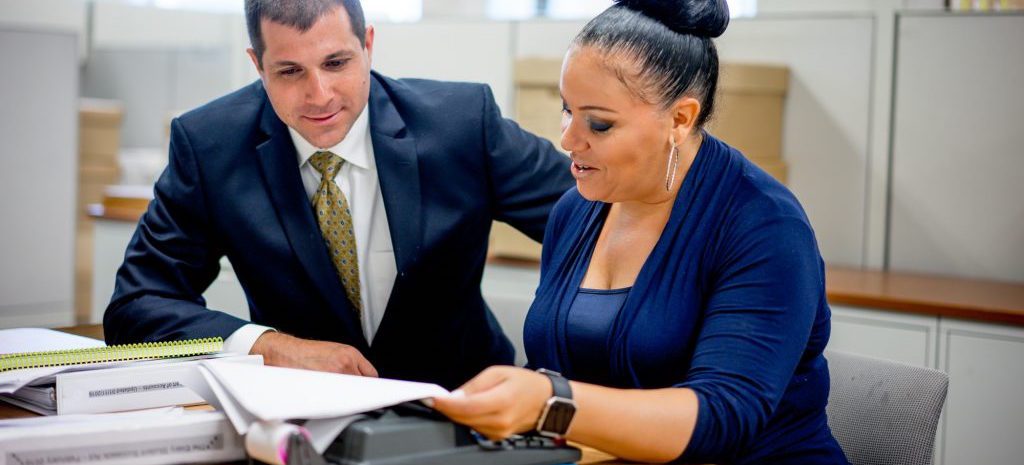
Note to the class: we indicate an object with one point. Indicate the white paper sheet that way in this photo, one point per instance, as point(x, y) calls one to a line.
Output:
point(11, 381)
point(274, 393)
point(20, 340)
point(323, 431)
point(223, 400)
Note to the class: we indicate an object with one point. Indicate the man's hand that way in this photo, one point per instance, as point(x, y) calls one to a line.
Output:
point(282, 350)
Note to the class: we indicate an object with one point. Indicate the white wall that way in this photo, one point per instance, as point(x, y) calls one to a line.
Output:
point(161, 62)
point(52, 15)
point(545, 38)
point(62, 15)
point(117, 25)
point(38, 176)
point(448, 9)
point(243, 71)
point(476, 51)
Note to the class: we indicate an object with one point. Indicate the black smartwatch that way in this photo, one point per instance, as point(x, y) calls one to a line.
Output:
point(559, 409)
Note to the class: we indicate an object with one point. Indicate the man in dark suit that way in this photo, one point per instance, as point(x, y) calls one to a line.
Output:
point(355, 210)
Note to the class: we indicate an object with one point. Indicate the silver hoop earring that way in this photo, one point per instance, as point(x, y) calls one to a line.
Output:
point(673, 165)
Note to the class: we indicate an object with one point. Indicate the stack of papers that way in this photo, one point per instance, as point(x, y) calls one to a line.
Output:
point(96, 387)
point(250, 393)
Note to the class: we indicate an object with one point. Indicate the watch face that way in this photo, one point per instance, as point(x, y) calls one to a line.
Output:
point(559, 415)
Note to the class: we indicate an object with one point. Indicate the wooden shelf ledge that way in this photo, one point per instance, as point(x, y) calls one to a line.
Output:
point(971, 299)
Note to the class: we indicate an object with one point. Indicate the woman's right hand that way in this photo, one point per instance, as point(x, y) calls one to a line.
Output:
point(499, 402)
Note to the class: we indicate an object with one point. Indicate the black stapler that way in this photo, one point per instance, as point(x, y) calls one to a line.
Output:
point(413, 434)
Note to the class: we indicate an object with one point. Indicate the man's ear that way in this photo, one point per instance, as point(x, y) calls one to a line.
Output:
point(369, 43)
point(255, 60)
point(684, 117)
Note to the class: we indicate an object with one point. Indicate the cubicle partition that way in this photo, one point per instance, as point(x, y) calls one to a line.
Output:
point(957, 202)
point(38, 148)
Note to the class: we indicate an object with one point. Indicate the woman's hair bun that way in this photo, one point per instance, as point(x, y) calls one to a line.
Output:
point(707, 18)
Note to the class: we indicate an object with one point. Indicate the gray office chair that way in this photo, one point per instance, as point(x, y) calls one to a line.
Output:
point(884, 412)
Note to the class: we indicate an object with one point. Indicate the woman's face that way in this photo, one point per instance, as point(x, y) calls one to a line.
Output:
point(619, 144)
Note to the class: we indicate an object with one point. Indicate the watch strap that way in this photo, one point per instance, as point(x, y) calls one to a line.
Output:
point(559, 385)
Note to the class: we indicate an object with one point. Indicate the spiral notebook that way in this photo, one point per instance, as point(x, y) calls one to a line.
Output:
point(30, 356)
point(117, 353)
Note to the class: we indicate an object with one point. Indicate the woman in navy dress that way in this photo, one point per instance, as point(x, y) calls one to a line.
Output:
point(682, 291)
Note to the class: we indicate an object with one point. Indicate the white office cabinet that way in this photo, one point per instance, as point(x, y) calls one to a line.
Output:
point(225, 294)
point(901, 337)
point(109, 243)
point(984, 417)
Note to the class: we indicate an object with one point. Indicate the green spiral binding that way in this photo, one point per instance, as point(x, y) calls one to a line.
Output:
point(118, 353)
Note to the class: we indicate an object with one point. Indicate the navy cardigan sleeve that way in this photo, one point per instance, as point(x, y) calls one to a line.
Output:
point(765, 293)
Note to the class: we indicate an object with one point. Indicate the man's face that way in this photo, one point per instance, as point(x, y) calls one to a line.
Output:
point(318, 81)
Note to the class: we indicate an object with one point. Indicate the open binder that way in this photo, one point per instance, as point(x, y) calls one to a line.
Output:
point(51, 372)
point(32, 356)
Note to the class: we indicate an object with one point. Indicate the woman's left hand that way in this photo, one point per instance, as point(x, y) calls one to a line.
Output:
point(499, 402)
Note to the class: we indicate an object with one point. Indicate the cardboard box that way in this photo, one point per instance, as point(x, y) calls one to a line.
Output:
point(538, 100)
point(83, 269)
point(542, 72)
point(775, 167)
point(99, 143)
point(99, 174)
point(749, 108)
point(99, 132)
point(507, 242)
point(92, 181)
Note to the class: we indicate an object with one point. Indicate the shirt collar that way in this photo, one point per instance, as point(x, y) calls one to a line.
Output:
point(353, 148)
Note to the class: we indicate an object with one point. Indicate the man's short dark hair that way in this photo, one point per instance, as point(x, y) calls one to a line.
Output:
point(297, 14)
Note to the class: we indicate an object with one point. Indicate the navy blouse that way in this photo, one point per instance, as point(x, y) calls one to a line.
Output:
point(730, 303)
point(590, 318)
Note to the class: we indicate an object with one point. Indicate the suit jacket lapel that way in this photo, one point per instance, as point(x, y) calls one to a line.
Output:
point(398, 169)
point(281, 175)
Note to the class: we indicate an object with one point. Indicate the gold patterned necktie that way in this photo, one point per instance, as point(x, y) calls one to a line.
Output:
point(335, 221)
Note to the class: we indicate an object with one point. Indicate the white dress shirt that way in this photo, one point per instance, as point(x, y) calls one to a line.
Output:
point(359, 182)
